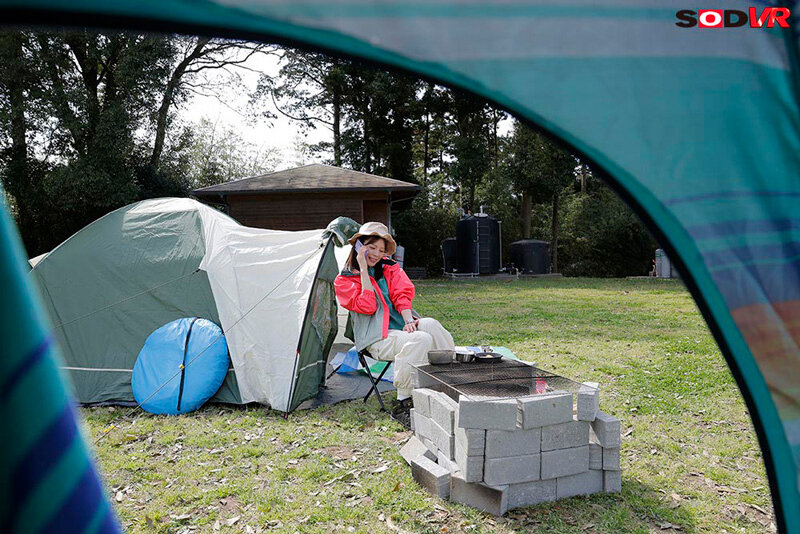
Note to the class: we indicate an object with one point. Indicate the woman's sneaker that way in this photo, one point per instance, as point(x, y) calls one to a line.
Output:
point(401, 412)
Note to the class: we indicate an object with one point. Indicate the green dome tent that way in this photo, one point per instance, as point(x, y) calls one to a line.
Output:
point(114, 282)
point(698, 129)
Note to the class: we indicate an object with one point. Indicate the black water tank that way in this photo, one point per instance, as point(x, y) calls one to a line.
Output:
point(449, 254)
point(478, 244)
point(531, 256)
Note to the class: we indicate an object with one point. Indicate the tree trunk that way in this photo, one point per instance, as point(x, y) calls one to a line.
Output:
point(337, 135)
point(426, 146)
point(495, 122)
point(19, 183)
point(527, 206)
point(583, 179)
point(367, 139)
point(169, 94)
point(554, 236)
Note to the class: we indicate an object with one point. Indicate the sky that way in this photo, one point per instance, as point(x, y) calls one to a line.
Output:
point(233, 109)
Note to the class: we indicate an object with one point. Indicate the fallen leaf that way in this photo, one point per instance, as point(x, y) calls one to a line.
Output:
point(232, 521)
point(666, 525)
point(380, 469)
point(182, 517)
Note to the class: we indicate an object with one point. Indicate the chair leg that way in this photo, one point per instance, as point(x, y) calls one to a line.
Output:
point(334, 371)
point(373, 381)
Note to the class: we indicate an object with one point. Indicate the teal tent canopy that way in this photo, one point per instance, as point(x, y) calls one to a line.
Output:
point(698, 129)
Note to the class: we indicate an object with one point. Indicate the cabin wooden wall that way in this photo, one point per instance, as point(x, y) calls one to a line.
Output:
point(306, 211)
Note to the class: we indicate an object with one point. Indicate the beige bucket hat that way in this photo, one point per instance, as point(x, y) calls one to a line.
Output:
point(377, 229)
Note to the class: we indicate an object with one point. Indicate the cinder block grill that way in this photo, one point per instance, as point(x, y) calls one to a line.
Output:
point(506, 378)
point(509, 434)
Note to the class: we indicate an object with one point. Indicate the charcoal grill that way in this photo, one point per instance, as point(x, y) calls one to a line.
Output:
point(505, 379)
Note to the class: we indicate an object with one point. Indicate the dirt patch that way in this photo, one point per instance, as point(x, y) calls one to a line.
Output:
point(229, 504)
point(339, 452)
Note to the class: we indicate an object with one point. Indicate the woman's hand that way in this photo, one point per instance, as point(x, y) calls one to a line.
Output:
point(361, 257)
point(411, 327)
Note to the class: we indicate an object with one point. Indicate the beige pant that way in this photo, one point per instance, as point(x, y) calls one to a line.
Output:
point(407, 349)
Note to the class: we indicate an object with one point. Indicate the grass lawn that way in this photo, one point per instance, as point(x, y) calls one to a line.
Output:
point(690, 458)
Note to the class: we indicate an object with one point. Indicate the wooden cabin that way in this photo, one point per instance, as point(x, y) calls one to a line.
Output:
point(309, 197)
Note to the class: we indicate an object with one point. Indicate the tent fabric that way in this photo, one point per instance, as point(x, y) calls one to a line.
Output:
point(114, 282)
point(698, 129)
point(180, 367)
point(48, 480)
point(318, 332)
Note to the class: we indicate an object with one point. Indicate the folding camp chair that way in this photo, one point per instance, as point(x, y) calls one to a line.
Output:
point(374, 381)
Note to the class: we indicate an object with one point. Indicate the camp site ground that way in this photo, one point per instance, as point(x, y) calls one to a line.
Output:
point(690, 458)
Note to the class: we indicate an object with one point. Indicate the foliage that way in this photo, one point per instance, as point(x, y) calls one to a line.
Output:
point(84, 119)
point(690, 457)
point(602, 237)
point(421, 230)
point(220, 154)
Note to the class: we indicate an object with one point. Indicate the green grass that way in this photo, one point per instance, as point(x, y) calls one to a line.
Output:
point(690, 458)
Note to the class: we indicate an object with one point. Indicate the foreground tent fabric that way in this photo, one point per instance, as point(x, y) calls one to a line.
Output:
point(108, 287)
point(47, 481)
point(698, 129)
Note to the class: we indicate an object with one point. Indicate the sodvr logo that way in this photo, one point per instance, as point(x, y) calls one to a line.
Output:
point(733, 18)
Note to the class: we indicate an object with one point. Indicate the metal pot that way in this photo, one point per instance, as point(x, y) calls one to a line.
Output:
point(441, 357)
point(465, 357)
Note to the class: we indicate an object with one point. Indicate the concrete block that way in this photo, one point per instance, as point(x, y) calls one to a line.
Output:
point(543, 410)
point(421, 379)
point(531, 493)
point(471, 467)
point(422, 402)
point(502, 443)
point(422, 425)
point(446, 462)
point(444, 440)
point(565, 462)
point(443, 410)
point(611, 459)
point(493, 500)
point(584, 483)
point(415, 448)
point(588, 403)
point(472, 440)
point(431, 446)
point(431, 476)
point(412, 419)
point(565, 435)
point(485, 413)
point(612, 481)
point(607, 430)
point(595, 456)
point(511, 470)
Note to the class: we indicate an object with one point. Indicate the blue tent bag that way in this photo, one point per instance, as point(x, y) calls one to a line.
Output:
point(180, 367)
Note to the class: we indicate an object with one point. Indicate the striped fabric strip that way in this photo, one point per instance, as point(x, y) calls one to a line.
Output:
point(47, 480)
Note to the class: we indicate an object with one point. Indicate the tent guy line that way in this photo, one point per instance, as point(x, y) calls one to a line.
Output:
point(111, 427)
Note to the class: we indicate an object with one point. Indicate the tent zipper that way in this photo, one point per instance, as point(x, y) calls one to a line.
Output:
point(183, 364)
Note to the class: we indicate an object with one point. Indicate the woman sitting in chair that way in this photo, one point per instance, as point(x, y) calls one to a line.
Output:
point(378, 294)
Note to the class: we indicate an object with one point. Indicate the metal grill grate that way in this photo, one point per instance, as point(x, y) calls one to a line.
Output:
point(505, 379)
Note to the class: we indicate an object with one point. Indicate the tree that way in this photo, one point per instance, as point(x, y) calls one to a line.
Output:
point(309, 89)
point(540, 170)
point(219, 154)
point(471, 122)
point(192, 56)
